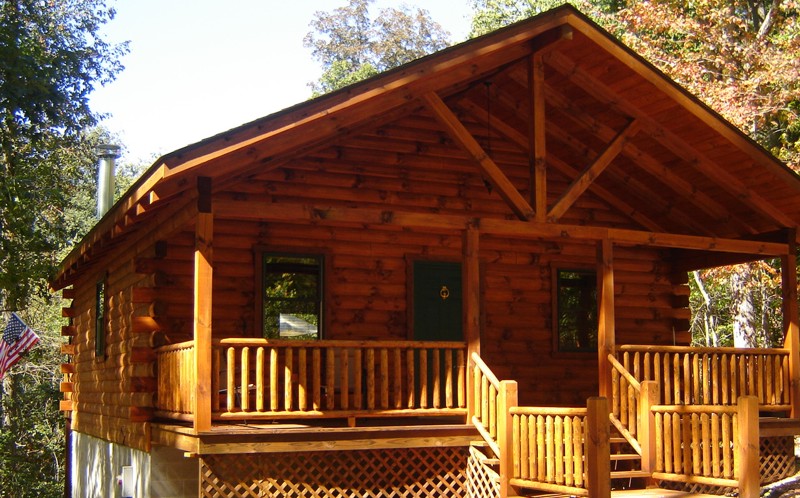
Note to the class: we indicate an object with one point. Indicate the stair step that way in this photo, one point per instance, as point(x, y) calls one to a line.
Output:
point(491, 461)
point(629, 474)
point(625, 456)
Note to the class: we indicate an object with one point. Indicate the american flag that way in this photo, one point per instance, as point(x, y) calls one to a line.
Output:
point(17, 338)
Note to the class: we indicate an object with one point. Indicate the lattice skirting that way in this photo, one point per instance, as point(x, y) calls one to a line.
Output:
point(408, 472)
point(777, 462)
point(482, 481)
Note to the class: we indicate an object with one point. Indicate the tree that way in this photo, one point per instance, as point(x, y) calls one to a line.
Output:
point(742, 57)
point(51, 57)
point(739, 56)
point(352, 46)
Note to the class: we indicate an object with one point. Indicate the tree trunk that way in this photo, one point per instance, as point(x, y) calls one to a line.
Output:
point(744, 333)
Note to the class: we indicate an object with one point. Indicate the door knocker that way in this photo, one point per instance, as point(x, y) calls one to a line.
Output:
point(444, 293)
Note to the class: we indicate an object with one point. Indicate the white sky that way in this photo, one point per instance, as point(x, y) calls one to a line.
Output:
point(200, 67)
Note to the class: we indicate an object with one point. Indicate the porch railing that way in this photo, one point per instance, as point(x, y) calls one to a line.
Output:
point(691, 441)
point(562, 450)
point(708, 444)
point(270, 379)
point(712, 376)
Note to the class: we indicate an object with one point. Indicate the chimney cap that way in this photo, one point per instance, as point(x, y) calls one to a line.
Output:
point(108, 150)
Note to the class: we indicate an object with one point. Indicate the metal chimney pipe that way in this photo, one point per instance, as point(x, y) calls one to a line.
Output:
point(106, 155)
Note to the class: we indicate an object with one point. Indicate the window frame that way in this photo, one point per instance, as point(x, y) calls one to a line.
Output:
point(556, 271)
point(323, 259)
point(101, 316)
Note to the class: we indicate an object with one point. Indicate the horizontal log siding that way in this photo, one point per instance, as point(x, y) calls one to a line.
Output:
point(517, 340)
point(106, 390)
point(397, 168)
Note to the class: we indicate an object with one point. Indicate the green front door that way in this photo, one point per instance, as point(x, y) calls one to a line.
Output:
point(437, 301)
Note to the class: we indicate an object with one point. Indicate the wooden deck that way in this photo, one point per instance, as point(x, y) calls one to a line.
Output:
point(282, 438)
point(658, 493)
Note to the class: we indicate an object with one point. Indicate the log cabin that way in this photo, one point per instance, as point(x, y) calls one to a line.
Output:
point(466, 276)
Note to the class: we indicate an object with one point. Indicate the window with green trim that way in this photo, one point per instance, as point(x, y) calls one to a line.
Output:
point(292, 296)
point(576, 310)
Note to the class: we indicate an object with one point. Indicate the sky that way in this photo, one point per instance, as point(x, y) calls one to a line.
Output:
point(200, 67)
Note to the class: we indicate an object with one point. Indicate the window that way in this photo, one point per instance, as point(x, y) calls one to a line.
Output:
point(576, 310)
point(100, 314)
point(292, 296)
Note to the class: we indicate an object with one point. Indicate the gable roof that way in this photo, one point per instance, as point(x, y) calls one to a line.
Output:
point(613, 126)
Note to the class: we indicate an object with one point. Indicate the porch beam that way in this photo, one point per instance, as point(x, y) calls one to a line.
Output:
point(405, 220)
point(464, 138)
point(606, 341)
point(203, 284)
point(791, 329)
point(588, 176)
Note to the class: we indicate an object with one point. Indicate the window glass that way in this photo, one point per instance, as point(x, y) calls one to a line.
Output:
point(100, 312)
point(577, 310)
point(292, 290)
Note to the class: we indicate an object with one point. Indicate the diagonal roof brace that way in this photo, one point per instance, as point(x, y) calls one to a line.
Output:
point(580, 184)
point(462, 136)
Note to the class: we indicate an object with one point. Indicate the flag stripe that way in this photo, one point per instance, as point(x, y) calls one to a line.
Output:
point(16, 340)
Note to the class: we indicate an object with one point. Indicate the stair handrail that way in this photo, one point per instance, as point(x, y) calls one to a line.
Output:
point(486, 389)
point(625, 414)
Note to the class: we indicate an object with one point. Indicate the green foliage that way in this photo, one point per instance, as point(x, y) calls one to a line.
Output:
point(31, 426)
point(51, 56)
point(351, 45)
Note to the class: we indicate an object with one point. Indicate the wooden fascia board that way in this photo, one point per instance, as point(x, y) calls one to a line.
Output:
point(519, 140)
point(464, 138)
point(645, 161)
point(588, 176)
point(679, 94)
point(705, 165)
point(162, 224)
point(435, 72)
point(432, 73)
point(708, 167)
point(139, 193)
point(425, 221)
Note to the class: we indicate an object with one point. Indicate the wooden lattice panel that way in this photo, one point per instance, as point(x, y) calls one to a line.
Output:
point(777, 462)
point(777, 458)
point(482, 481)
point(417, 472)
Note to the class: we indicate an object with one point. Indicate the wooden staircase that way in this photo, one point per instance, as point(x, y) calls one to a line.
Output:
point(626, 465)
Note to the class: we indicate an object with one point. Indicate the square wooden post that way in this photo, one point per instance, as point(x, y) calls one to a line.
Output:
point(606, 342)
point(472, 308)
point(203, 284)
point(791, 330)
point(598, 449)
point(507, 398)
point(647, 424)
point(748, 463)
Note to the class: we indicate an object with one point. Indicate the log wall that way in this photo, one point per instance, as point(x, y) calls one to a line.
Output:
point(367, 272)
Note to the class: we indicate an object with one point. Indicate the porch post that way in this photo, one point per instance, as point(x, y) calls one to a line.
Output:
point(791, 332)
point(507, 399)
point(748, 468)
point(472, 307)
point(605, 315)
point(598, 450)
point(203, 279)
